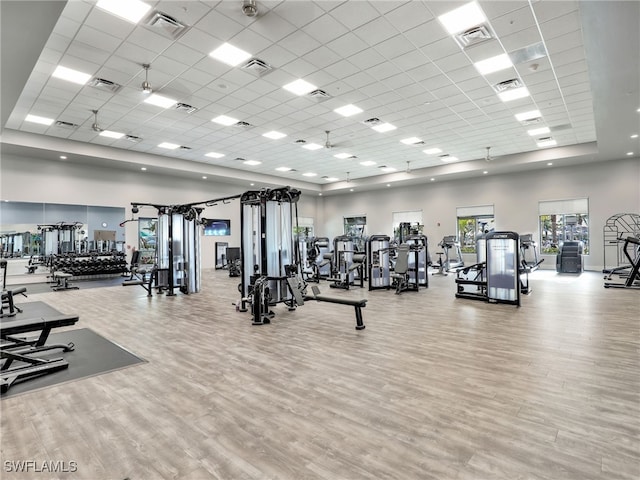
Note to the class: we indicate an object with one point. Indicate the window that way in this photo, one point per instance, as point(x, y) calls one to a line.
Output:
point(563, 220)
point(355, 227)
point(473, 221)
point(406, 223)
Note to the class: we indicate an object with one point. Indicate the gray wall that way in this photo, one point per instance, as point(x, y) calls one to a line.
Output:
point(35, 180)
point(611, 187)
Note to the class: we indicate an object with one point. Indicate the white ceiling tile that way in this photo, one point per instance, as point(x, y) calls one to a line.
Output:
point(426, 33)
point(347, 45)
point(513, 21)
point(354, 14)
point(185, 11)
point(183, 54)
point(440, 49)
point(100, 20)
point(149, 40)
point(408, 15)
point(299, 13)
point(219, 26)
point(250, 41)
point(520, 39)
point(273, 27)
point(325, 28)
point(200, 41)
point(376, 31)
point(564, 42)
point(394, 47)
point(366, 59)
point(561, 25)
point(299, 43)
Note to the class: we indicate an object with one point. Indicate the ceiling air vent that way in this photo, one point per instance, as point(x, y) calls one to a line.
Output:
point(67, 125)
point(185, 107)
point(103, 84)
point(544, 139)
point(372, 121)
point(165, 25)
point(531, 121)
point(528, 54)
point(133, 138)
point(240, 159)
point(242, 124)
point(257, 67)
point(507, 85)
point(319, 95)
point(182, 147)
point(474, 36)
point(300, 141)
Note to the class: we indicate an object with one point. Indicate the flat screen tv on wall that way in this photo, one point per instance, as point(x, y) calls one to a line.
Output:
point(217, 227)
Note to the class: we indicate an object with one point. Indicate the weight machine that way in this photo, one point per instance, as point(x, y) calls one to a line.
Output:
point(418, 260)
point(267, 250)
point(378, 265)
point(633, 273)
point(499, 278)
point(178, 244)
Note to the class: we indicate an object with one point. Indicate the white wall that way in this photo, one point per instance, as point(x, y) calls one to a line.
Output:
point(35, 180)
point(612, 187)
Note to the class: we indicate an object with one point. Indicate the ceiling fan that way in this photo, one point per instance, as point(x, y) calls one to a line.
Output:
point(95, 127)
point(328, 143)
point(488, 156)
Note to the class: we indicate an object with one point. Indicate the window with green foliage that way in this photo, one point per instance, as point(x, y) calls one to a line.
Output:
point(469, 228)
point(561, 221)
point(558, 228)
point(355, 228)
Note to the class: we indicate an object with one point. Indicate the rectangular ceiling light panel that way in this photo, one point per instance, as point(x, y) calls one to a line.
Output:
point(160, 101)
point(462, 18)
point(230, 55)
point(70, 75)
point(300, 87)
point(509, 95)
point(38, 119)
point(493, 64)
point(224, 120)
point(111, 134)
point(130, 10)
point(348, 110)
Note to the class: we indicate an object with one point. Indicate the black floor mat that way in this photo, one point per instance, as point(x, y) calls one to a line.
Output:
point(93, 355)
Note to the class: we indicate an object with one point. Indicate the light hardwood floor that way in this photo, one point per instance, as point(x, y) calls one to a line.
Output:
point(434, 388)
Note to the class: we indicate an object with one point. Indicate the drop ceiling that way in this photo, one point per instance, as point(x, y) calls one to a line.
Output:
point(392, 59)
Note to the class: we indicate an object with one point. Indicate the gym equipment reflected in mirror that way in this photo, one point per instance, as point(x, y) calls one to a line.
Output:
point(37, 230)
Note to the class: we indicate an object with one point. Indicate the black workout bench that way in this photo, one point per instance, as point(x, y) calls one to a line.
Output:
point(7, 299)
point(358, 304)
point(21, 349)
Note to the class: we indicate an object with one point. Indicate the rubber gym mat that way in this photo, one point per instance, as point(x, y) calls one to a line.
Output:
point(93, 355)
point(32, 310)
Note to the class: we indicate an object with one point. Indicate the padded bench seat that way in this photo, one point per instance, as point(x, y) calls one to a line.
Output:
point(358, 304)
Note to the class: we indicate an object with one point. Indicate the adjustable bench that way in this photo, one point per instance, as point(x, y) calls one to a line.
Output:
point(62, 279)
point(357, 304)
point(21, 349)
point(7, 299)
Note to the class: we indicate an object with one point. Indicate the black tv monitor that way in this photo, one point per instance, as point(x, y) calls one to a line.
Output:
point(217, 227)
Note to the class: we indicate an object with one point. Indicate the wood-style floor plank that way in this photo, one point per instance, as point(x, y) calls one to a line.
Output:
point(434, 388)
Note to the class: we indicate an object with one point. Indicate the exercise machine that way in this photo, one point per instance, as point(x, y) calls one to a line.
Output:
point(378, 264)
point(449, 262)
point(347, 264)
point(569, 257)
point(633, 273)
point(498, 278)
point(529, 253)
point(267, 249)
point(178, 244)
point(418, 260)
point(8, 295)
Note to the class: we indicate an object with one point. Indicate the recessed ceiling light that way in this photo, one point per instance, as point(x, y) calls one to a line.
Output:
point(351, 189)
point(284, 169)
point(70, 75)
point(143, 168)
point(169, 146)
point(367, 163)
point(320, 194)
point(309, 174)
point(230, 55)
point(432, 179)
point(513, 94)
point(348, 110)
point(300, 87)
point(37, 119)
point(63, 157)
point(432, 151)
point(214, 155)
point(462, 18)
point(110, 134)
point(388, 184)
point(629, 153)
point(493, 64)
point(448, 158)
point(549, 163)
point(342, 156)
point(131, 10)
point(204, 177)
point(252, 162)
point(411, 140)
point(384, 127)
point(224, 120)
point(386, 169)
point(274, 135)
point(547, 143)
point(538, 131)
point(332, 179)
point(635, 135)
point(638, 110)
point(521, 117)
point(252, 184)
point(312, 146)
point(485, 172)
point(160, 101)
